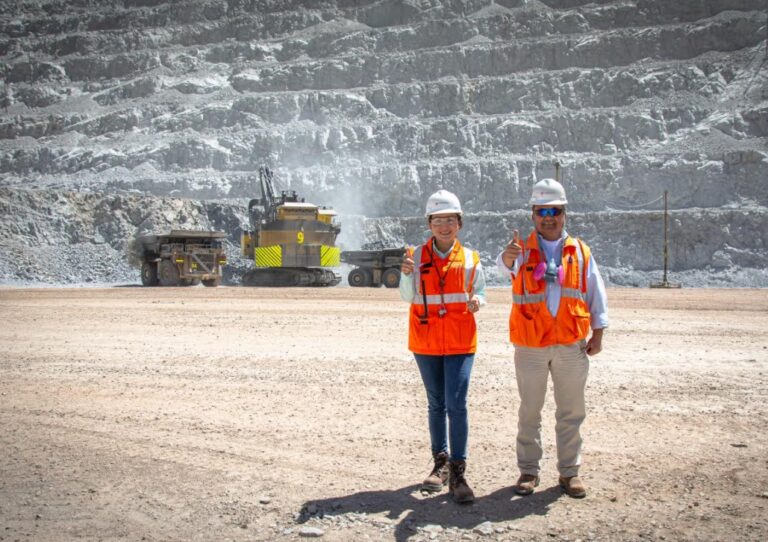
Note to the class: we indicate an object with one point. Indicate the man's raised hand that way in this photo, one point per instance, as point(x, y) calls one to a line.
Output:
point(512, 250)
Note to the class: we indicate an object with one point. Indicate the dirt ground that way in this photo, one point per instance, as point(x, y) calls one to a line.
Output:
point(278, 414)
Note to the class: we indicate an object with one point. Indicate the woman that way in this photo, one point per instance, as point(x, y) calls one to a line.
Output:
point(445, 285)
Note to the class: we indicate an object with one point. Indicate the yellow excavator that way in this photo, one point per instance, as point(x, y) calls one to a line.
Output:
point(292, 242)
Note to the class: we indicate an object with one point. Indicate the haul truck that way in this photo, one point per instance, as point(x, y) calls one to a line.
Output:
point(374, 267)
point(181, 258)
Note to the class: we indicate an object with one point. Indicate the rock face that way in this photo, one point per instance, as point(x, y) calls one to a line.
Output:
point(122, 116)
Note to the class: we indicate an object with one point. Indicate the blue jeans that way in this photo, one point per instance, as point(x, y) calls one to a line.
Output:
point(446, 379)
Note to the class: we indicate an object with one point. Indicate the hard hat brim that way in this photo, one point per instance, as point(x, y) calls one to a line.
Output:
point(445, 212)
point(548, 202)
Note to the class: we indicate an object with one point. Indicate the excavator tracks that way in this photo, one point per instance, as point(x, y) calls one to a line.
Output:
point(290, 276)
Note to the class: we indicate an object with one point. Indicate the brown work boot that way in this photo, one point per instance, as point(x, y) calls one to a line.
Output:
point(457, 485)
point(526, 484)
point(573, 486)
point(439, 475)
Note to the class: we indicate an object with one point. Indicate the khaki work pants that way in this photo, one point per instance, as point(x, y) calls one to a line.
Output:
point(568, 366)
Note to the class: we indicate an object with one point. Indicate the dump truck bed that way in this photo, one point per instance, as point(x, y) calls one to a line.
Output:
point(182, 258)
point(181, 236)
point(388, 257)
point(374, 267)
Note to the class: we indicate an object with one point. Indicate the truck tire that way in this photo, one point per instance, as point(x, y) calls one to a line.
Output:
point(211, 283)
point(168, 273)
point(149, 274)
point(391, 278)
point(359, 277)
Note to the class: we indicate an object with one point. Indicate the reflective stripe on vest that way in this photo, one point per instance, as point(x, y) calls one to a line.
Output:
point(437, 300)
point(470, 265)
point(538, 298)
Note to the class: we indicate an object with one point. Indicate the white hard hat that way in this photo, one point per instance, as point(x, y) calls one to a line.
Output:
point(443, 202)
point(548, 192)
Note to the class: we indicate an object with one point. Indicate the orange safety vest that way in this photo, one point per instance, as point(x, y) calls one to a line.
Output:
point(530, 323)
point(444, 285)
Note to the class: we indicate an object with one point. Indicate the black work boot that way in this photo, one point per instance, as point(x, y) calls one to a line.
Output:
point(457, 485)
point(439, 475)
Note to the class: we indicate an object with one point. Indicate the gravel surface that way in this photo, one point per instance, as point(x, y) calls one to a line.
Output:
point(254, 414)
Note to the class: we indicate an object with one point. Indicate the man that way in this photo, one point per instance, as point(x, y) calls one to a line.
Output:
point(557, 295)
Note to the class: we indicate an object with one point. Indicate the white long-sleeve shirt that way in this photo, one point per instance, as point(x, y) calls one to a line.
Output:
point(597, 299)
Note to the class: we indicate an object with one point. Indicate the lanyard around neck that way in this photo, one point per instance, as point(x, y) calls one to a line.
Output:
point(441, 277)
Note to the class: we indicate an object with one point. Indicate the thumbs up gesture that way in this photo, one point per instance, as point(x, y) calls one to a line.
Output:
point(406, 268)
point(512, 250)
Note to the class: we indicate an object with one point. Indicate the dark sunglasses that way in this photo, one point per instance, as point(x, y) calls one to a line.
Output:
point(549, 211)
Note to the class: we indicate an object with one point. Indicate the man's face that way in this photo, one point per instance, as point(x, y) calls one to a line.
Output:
point(549, 221)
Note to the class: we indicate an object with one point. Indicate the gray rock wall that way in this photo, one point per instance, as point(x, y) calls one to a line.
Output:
point(371, 105)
